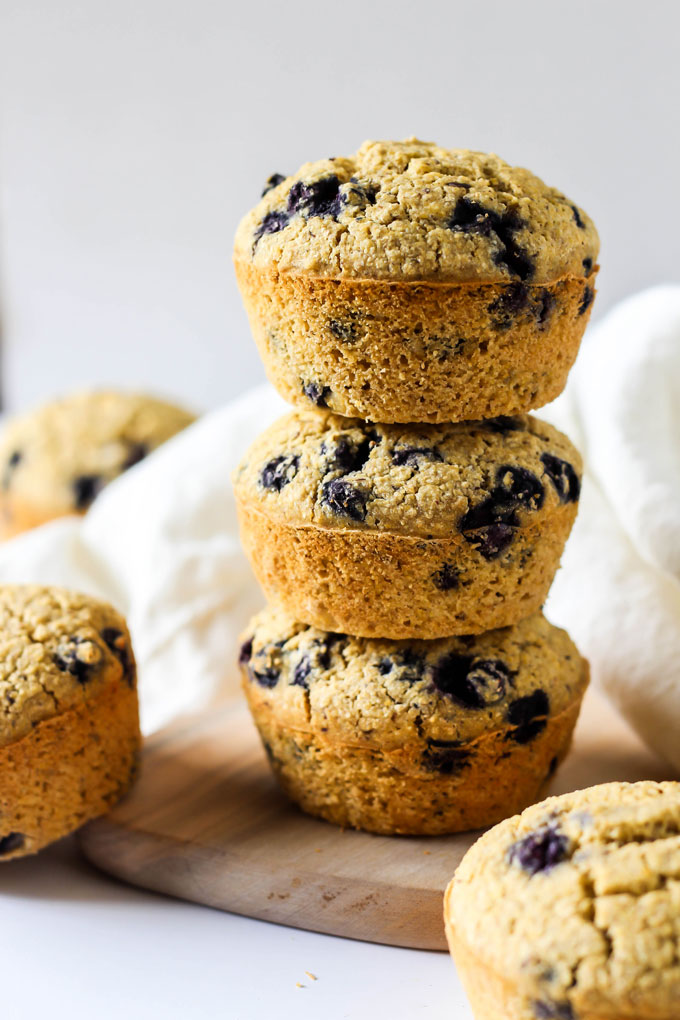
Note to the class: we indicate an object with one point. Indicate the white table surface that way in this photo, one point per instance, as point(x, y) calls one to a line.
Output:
point(75, 944)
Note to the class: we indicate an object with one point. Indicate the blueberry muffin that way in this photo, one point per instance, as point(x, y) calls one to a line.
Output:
point(412, 737)
point(413, 283)
point(55, 460)
point(571, 911)
point(407, 530)
point(69, 731)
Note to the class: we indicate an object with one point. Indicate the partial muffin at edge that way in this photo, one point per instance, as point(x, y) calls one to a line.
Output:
point(56, 459)
point(69, 728)
point(570, 910)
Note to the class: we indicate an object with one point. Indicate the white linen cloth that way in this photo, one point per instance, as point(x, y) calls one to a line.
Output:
point(162, 544)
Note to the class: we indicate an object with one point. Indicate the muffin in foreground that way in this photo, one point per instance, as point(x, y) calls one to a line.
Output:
point(413, 283)
point(69, 730)
point(412, 737)
point(57, 459)
point(571, 911)
point(407, 531)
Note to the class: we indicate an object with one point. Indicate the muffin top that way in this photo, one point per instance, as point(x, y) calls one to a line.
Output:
point(57, 458)
point(478, 481)
point(413, 211)
point(58, 649)
point(579, 898)
point(443, 693)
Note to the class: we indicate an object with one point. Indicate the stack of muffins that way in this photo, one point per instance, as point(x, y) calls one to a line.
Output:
point(406, 521)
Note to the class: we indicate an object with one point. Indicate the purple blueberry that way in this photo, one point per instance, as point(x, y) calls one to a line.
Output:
point(115, 641)
point(586, 300)
point(563, 476)
point(553, 1010)
point(445, 756)
point(10, 467)
point(67, 660)
point(301, 672)
point(577, 217)
point(85, 489)
point(136, 453)
point(471, 217)
point(270, 224)
point(278, 472)
point(344, 499)
point(344, 331)
point(504, 423)
point(245, 652)
point(350, 455)
point(529, 716)
point(508, 305)
point(411, 455)
point(520, 484)
point(541, 850)
point(317, 393)
point(471, 682)
point(447, 578)
point(11, 842)
point(272, 182)
point(320, 198)
point(544, 306)
point(587, 265)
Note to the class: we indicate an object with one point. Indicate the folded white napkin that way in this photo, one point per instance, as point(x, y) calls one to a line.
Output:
point(161, 542)
point(618, 592)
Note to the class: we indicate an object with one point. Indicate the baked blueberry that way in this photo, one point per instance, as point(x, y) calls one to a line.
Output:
point(529, 716)
point(470, 681)
point(85, 489)
point(279, 471)
point(411, 455)
point(471, 217)
point(272, 182)
point(540, 850)
point(316, 393)
point(79, 657)
point(445, 756)
point(447, 578)
point(586, 301)
point(344, 499)
point(561, 473)
point(271, 224)
point(12, 841)
point(320, 198)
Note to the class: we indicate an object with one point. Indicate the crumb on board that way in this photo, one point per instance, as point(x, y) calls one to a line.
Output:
point(427, 851)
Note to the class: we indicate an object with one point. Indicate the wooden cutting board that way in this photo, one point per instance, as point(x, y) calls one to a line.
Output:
point(206, 822)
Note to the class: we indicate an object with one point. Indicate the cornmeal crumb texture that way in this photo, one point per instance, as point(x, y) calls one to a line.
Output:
point(572, 910)
point(56, 459)
point(400, 531)
point(412, 736)
point(69, 731)
point(413, 211)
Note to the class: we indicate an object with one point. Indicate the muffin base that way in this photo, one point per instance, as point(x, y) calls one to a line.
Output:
point(415, 352)
point(67, 770)
point(389, 792)
point(383, 585)
point(491, 996)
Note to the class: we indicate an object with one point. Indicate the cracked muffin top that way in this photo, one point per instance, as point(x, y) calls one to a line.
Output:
point(477, 480)
point(58, 457)
point(57, 650)
point(370, 691)
point(579, 898)
point(413, 211)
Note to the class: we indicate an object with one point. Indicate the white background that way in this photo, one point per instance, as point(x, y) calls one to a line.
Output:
point(135, 134)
